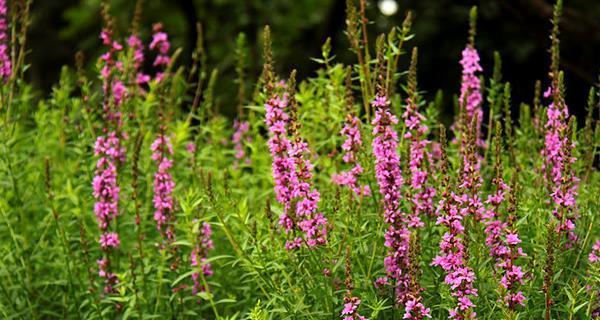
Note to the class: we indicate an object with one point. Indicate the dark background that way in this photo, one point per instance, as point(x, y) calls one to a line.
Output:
point(518, 29)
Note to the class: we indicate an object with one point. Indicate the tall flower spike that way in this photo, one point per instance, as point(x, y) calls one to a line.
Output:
point(163, 186)
point(110, 154)
point(416, 132)
point(5, 60)
point(502, 238)
point(160, 43)
point(389, 179)
point(560, 178)
point(470, 98)
point(137, 47)
point(452, 258)
point(414, 307)
point(268, 76)
point(239, 138)
point(351, 302)
point(311, 223)
point(352, 146)
point(291, 169)
point(240, 126)
point(199, 256)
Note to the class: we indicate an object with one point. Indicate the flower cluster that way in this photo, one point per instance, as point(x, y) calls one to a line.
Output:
point(414, 308)
point(351, 147)
point(239, 136)
point(106, 208)
point(562, 181)
point(594, 256)
point(293, 180)
point(312, 223)
point(503, 242)
point(112, 84)
point(199, 255)
point(350, 311)
point(470, 98)
point(390, 181)
point(136, 45)
point(111, 153)
point(163, 187)
point(5, 64)
point(422, 195)
point(160, 42)
point(453, 255)
point(284, 173)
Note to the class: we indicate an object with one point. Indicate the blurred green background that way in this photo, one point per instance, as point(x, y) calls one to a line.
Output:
point(518, 29)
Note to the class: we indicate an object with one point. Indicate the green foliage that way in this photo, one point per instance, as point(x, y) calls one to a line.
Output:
point(49, 234)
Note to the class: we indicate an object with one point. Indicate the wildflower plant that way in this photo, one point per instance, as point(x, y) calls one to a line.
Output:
point(129, 193)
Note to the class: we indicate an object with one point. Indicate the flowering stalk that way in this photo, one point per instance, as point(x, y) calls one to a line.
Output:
point(352, 146)
point(291, 166)
point(5, 60)
point(199, 255)
point(136, 48)
point(390, 181)
point(136, 45)
point(414, 307)
point(163, 186)
point(561, 180)
point(240, 136)
point(351, 302)
point(453, 252)
point(502, 238)
point(470, 98)
point(240, 127)
point(160, 42)
point(110, 154)
point(306, 197)
point(421, 195)
point(470, 175)
point(161, 150)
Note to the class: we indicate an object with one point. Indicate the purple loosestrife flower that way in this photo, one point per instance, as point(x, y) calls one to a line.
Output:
point(594, 256)
point(284, 173)
point(470, 177)
point(106, 208)
point(163, 187)
point(5, 63)
point(350, 311)
point(452, 211)
point(351, 303)
point(160, 42)
point(453, 255)
point(351, 147)
point(561, 180)
point(470, 91)
point(293, 178)
point(503, 242)
point(422, 195)
point(110, 154)
point(389, 179)
point(306, 197)
point(240, 135)
point(136, 45)
point(199, 255)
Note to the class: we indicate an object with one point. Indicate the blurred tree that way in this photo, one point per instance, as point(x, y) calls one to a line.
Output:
point(517, 29)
